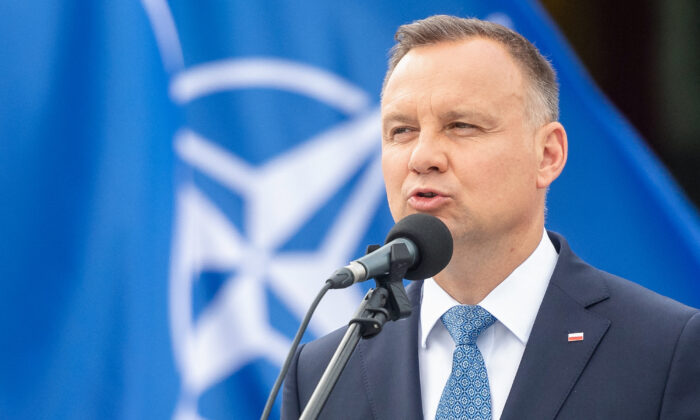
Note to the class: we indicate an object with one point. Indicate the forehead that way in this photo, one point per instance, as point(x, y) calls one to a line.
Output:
point(475, 71)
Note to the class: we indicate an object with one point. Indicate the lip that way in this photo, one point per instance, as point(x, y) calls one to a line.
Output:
point(427, 204)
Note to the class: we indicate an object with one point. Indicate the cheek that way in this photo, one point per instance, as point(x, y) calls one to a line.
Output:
point(515, 179)
point(394, 166)
point(503, 175)
point(395, 170)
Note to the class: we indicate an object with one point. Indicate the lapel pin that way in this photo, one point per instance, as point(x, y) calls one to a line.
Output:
point(576, 336)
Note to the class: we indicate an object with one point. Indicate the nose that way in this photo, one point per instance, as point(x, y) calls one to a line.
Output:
point(428, 154)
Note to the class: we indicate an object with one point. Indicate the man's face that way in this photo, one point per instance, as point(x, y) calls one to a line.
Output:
point(457, 142)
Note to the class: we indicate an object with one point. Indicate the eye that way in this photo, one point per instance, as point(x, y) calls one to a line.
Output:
point(462, 126)
point(401, 134)
point(400, 130)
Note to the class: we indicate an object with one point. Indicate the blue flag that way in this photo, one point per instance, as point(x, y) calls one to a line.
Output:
point(180, 177)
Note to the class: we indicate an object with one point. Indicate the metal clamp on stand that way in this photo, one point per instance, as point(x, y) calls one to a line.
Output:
point(388, 301)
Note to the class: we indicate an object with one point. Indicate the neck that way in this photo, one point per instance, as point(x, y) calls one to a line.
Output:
point(478, 267)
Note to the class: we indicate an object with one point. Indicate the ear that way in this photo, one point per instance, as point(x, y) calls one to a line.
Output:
point(552, 148)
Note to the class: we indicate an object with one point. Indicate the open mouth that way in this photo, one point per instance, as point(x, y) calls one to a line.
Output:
point(426, 200)
point(426, 194)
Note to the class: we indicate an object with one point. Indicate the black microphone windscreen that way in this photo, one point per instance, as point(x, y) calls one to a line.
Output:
point(431, 237)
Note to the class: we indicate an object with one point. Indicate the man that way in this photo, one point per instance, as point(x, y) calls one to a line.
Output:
point(470, 135)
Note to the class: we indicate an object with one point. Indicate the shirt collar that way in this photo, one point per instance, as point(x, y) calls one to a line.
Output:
point(434, 302)
point(515, 302)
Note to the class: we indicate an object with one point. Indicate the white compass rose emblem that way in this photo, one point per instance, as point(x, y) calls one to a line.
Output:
point(280, 196)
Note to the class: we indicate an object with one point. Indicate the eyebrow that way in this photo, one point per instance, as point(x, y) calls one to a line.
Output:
point(480, 118)
point(398, 117)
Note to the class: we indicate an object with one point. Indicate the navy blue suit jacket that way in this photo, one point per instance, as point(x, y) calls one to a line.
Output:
point(640, 357)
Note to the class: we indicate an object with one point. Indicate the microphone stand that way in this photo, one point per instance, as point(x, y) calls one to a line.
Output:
point(386, 302)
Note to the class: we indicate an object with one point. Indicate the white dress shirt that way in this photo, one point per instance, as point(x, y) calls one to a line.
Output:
point(514, 303)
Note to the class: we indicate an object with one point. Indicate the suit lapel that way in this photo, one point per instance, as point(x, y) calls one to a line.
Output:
point(551, 364)
point(389, 365)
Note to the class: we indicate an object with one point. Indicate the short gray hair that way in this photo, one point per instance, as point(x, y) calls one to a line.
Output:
point(543, 91)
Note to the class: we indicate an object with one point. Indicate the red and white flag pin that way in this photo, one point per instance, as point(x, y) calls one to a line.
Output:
point(576, 336)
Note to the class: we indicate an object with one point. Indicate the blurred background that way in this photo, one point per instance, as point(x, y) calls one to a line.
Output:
point(645, 56)
point(179, 177)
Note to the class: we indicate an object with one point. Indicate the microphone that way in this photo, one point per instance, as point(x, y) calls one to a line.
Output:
point(429, 244)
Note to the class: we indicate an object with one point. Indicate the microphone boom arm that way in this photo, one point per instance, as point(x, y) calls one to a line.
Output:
point(387, 302)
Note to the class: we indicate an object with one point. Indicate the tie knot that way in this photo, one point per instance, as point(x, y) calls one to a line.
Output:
point(466, 322)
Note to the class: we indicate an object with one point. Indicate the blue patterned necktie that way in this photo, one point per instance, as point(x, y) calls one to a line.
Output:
point(466, 394)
